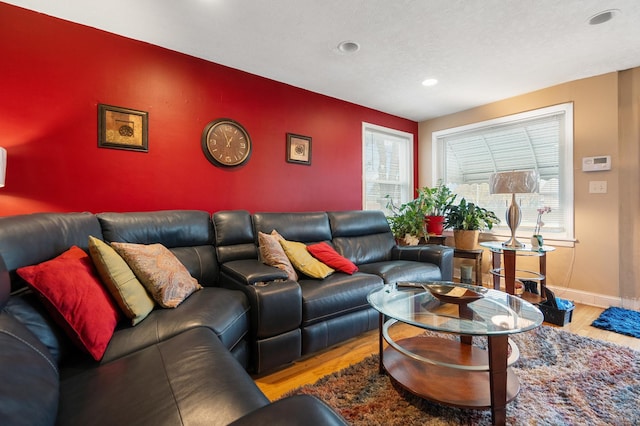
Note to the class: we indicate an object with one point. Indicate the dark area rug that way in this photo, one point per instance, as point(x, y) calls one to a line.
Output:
point(619, 320)
point(565, 379)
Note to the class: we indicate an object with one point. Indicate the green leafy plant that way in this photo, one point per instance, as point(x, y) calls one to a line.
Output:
point(408, 218)
point(469, 217)
point(436, 200)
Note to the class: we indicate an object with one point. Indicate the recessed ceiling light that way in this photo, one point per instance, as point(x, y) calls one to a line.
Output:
point(348, 47)
point(602, 17)
point(430, 82)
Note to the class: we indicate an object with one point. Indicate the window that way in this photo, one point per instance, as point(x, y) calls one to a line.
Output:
point(387, 167)
point(541, 139)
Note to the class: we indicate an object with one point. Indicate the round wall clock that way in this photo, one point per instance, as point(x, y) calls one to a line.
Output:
point(226, 143)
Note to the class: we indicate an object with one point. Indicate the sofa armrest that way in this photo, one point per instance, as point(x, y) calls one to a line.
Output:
point(251, 271)
point(442, 256)
point(276, 307)
point(298, 410)
point(275, 301)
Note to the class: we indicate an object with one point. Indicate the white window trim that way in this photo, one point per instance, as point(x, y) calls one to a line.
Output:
point(393, 132)
point(565, 152)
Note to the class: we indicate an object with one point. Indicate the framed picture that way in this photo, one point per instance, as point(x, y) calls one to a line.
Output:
point(122, 128)
point(298, 149)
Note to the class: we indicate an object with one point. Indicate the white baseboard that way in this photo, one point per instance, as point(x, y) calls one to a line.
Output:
point(595, 299)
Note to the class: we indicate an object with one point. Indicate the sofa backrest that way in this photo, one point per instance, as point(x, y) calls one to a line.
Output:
point(362, 236)
point(187, 233)
point(311, 227)
point(34, 238)
point(234, 236)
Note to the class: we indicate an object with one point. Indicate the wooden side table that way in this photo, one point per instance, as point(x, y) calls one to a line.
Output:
point(472, 254)
point(476, 255)
point(509, 271)
point(436, 239)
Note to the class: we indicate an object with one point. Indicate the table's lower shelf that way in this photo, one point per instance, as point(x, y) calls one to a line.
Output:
point(450, 386)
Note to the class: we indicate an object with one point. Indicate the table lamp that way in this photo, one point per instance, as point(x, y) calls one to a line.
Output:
point(516, 182)
point(3, 165)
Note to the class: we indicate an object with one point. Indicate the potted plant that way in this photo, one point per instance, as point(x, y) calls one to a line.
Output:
point(467, 220)
point(406, 221)
point(436, 202)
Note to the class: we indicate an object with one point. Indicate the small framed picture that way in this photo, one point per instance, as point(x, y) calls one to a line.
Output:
point(122, 128)
point(298, 149)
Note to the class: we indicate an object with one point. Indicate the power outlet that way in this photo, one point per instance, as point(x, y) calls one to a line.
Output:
point(598, 187)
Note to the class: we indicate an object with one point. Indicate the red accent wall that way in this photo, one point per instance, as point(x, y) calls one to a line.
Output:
point(55, 73)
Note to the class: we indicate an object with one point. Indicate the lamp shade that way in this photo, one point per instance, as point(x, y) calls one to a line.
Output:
point(3, 165)
point(516, 182)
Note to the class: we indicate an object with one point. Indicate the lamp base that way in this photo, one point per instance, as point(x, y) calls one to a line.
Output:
point(513, 220)
point(513, 243)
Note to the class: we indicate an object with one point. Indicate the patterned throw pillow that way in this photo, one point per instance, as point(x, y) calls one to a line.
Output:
point(303, 261)
point(272, 253)
point(327, 255)
point(120, 280)
point(74, 296)
point(164, 276)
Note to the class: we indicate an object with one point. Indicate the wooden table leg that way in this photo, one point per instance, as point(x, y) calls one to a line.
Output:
point(498, 351)
point(495, 264)
point(543, 272)
point(479, 269)
point(465, 312)
point(510, 271)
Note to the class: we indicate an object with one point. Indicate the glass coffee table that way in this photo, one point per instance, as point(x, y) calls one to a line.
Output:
point(454, 371)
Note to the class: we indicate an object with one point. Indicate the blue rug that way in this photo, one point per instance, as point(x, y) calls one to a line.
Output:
point(619, 320)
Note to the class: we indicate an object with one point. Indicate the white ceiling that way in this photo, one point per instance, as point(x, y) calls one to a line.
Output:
point(479, 50)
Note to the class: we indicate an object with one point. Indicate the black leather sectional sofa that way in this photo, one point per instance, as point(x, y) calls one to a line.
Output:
point(191, 364)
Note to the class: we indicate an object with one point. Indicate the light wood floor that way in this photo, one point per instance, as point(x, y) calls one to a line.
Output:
point(309, 370)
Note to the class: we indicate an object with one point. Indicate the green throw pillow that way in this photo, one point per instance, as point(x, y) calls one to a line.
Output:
point(120, 280)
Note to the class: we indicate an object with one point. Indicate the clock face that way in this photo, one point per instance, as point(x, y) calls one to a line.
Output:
point(226, 143)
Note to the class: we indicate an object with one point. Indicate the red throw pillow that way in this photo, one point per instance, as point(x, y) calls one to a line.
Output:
point(327, 255)
point(74, 296)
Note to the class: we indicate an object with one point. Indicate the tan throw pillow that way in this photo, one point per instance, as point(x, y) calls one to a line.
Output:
point(272, 254)
point(160, 272)
point(303, 261)
point(120, 280)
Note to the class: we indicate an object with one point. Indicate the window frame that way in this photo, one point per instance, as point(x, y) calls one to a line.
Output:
point(409, 137)
point(565, 153)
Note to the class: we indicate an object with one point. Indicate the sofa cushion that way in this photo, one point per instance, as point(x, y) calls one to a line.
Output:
point(395, 271)
point(30, 239)
point(26, 307)
point(303, 261)
point(306, 227)
point(28, 377)
point(224, 311)
point(128, 292)
point(188, 379)
point(171, 228)
point(362, 236)
point(327, 255)
point(187, 233)
point(296, 410)
point(160, 271)
point(338, 295)
point(71, 290)
point(272, 253)
point(234, 236)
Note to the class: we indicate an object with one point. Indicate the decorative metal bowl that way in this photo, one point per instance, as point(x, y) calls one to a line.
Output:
point(449, 293)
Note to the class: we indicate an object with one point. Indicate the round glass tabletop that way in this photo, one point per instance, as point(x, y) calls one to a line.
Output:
point(497, 246)
point(422, 305)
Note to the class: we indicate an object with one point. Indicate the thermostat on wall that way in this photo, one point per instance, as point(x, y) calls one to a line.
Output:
point(596, 164)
